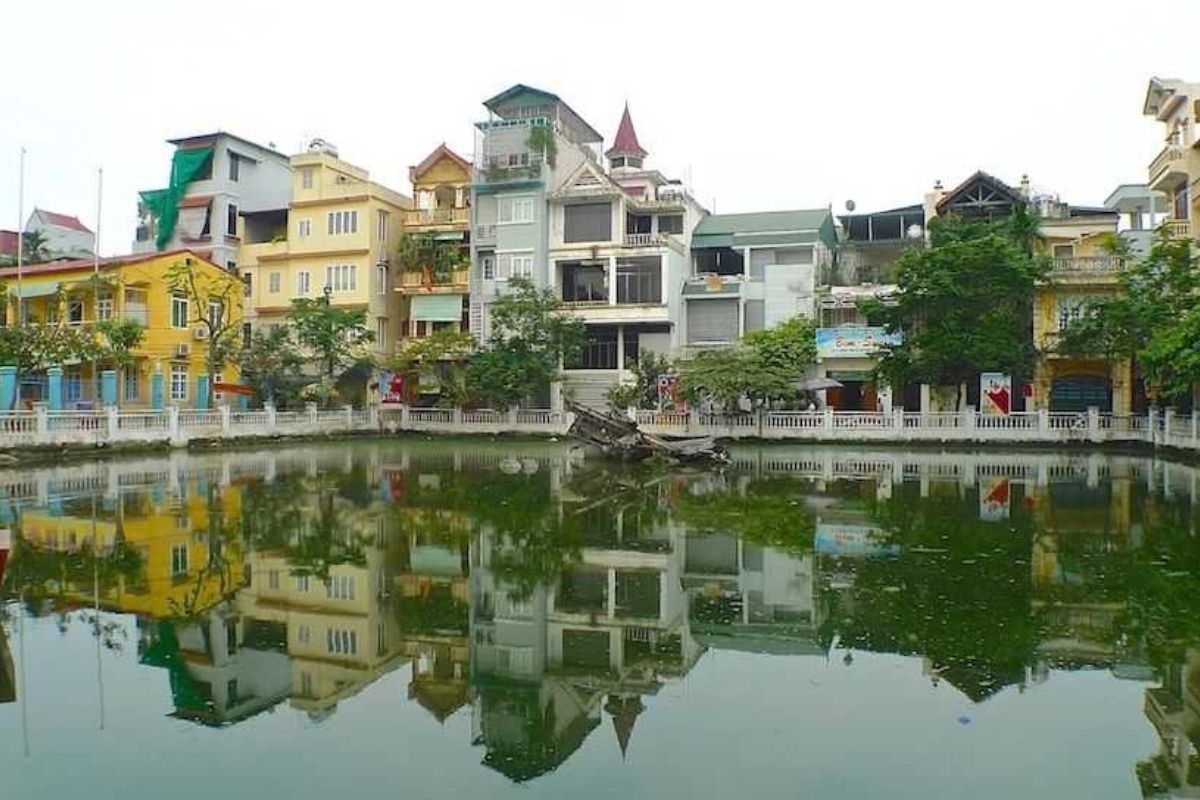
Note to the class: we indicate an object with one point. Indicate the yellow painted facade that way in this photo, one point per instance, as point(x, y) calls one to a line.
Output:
point(134, 288)
point(342, 232)
point(1082, 270)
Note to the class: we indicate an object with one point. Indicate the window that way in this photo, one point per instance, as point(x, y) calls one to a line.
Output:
point(1063, 250)
point(510, 265)
point(273, 579)
point(104, 307)
point(340, 587)
point(231, 215)
point(74, 312)
point(132, 390)
point(584, 283)
point(1180, 202)
point(342, 222)
point(303, 634)
point(599, 349)
point(381, 279)
point(304, 227)
point(273, 281)
point(73, 385)
point(248, 284)
point(341, 277)
point(639, 280)
point(216, 314)
point(514, 210)
point(1070, 309)
point(670, 223)
point(247, 333)
point(381, 225)
point(306, 177)
point(341, 642)
point(179, 559)
point(381, 333)
point(588, 222)
point(234, 165)
point(179, 382)
point(487, 267)
point(303, 282)
point(179, 311)
point(301, 583)
point(306, 682)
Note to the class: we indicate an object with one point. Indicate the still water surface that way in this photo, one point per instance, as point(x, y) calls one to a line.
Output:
point(477, 620)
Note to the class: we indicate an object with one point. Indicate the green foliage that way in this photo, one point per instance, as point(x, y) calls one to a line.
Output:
point(119, 339)
point(531, 336)
point(643, 392)
point(213, 297)
point(36, 347)
point(336, 336)
point(791, 345)
point(1154, 319)
point(964, 304)
point(270, 364)
point(417, 252)
point(33, 250)
point(541, 140)
point(438, 359)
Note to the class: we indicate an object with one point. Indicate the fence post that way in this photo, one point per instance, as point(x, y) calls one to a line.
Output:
point(404, 416)
point(1152, 424)
point(512, 415)
point(760, 415)
point(827, 423)
point(898, 421)
point(1168, 418)
point(1043, 423)
point(1195, 422)
point(173, 422)
point(969, 422)
point(456, 417)
point(114, 422)
point(43, 423)
point(226, 419)
point(349, 417)
point(311, 408)
point(1093, 423)
point(272, 420)
point(373, 415)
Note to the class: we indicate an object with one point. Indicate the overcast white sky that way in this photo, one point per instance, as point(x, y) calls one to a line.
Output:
point(765, 105)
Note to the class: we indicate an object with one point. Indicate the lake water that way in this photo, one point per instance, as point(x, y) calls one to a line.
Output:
point(480, 619)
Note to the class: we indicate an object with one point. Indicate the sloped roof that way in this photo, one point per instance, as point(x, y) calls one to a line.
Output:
point(763, 222)
point(62, 220)
point(626, 142)
point(8, 243)
point(979, 177)
point(108, 261)
point(439, 152)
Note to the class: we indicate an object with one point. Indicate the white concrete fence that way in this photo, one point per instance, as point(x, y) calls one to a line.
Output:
point(178, 427)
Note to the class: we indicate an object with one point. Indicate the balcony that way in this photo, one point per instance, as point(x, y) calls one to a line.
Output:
point(485, 235)
point(419, 217)
point(416, 283)
point(1087, 266)
point(1169, 167)
point(512, 167)
point(1178, 228)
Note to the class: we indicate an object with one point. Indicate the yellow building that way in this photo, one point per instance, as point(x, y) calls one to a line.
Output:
point(172, 355)
point(433, 299)
point(336, 240)
point(1082, 270)
point(1175, 171)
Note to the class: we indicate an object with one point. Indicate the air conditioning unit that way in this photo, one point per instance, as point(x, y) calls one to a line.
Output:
point(183, 350)
point(200, 333)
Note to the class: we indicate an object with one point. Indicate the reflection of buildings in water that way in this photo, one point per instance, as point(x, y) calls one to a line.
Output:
point(8, 672)
point(547, 662)
point(1174, 711)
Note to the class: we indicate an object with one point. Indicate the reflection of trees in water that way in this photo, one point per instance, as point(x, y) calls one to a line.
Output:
point(766, 511)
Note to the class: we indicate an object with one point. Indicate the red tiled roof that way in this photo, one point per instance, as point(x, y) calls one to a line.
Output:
point(63, 220)
point(8, 243)
point(626, 142)
point(86, 263)
point(434, 157)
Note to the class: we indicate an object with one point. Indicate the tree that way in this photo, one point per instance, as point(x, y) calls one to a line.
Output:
point(1154, 320)
point(421, 252)
point(790, 345)
point(643, 392)
point(212, 296)
point(118, 342)
point(531, 336)
point(33, 247)
point(964, 304)
point(438, 359)
point(270, 364)
point(338, 337)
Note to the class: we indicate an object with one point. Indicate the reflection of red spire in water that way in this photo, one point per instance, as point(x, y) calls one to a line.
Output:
point(624, 712)
point(5, 546)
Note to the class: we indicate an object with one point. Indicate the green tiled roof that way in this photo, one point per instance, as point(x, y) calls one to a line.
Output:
point(765, 227)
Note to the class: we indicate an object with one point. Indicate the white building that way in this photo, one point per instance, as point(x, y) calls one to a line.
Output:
point(64, 236)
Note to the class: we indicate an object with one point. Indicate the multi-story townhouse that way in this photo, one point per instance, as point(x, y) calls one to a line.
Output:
point(63, 235)
point(1175, 171)
point(752, 271)
point(335, 240)
point(214, 178)
point(433, 296)
point(618, 256)
point(171, 360)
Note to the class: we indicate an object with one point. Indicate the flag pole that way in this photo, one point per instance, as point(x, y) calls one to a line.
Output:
point(20, 233)
point(96, 385)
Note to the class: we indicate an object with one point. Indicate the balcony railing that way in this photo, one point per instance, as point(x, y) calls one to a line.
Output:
point(437, 216)
point(416, 280)
point(499, 169)
point(1165, 159)
point(485, 234)
point(1088, 265)
point(644, 239)
point(1179, 228)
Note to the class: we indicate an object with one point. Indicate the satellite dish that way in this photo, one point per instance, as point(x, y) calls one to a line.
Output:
point(850, 205)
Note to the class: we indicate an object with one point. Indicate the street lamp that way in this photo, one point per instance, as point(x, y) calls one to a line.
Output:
point(328, 290)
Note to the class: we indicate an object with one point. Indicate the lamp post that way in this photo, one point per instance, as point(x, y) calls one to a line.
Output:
point(328, 290)
point(327, 380)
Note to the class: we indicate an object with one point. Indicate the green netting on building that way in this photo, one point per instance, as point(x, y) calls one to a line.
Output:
point(164, 203)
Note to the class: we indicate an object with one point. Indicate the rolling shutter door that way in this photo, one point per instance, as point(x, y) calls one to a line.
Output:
point(712, 321)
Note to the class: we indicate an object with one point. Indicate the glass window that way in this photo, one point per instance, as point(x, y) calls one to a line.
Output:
point(341, 277)
point(303, 282)
point(231, 220)
point(342, 222)
point(670, 223)
point(306, 177)
point(599, 349)
point(179, 559)
point(381, 225)
point(104, 307)
point(584, 283)
point(639, 281)
point(132, 389)
point(234, 166)
point(588, 222)
point(487, 267)
point(179, 382)
point(513, 210)
point(304, 227)
point(216, 314)
point(381, 278)
point(381, 333)
point(273, 281)
point(75, 312)
point(179, 311)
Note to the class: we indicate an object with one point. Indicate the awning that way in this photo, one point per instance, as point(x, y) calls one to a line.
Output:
point(437, 307)
point(704, 241)
point(33, 289)
point(449, 236)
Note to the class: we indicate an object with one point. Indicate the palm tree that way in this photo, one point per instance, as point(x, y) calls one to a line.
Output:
point(1025, 228)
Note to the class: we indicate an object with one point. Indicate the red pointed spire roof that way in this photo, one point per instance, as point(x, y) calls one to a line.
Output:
point(626, 142)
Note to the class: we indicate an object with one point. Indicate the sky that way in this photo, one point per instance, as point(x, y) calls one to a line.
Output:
point(756, 105)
